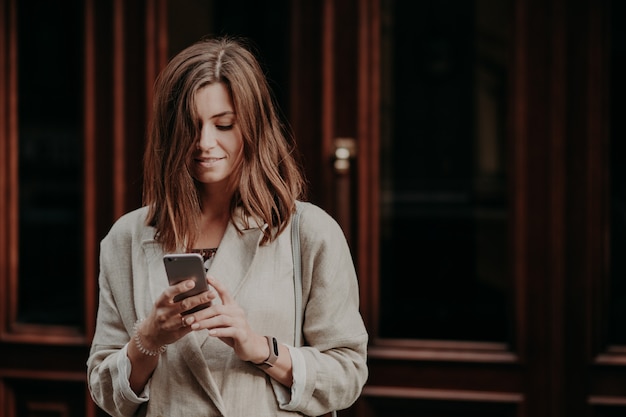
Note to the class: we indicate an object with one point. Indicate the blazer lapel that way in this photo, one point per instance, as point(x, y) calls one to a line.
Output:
point(231, 266)
point(189, 346)
point(191, 351)
point(233, 259)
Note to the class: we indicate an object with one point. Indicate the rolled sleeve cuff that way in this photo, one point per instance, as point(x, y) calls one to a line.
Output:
point(290, 399)
point(123, 380)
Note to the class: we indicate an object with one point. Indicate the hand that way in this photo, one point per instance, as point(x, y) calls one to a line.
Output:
point(229, 323)
point(165, 324)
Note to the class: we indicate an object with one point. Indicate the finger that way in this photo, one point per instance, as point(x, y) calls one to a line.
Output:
point(187, 320)
point(183, 286)
point(196, 302)
point(221, 290)
point(166, 299)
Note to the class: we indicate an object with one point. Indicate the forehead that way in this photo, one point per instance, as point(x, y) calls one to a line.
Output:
point(213, 100)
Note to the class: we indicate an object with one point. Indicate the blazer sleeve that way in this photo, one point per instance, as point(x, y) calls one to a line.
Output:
point(335, 348)
point(112, 330)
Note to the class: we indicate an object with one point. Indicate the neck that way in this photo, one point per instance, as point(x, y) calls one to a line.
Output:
point(214, 218)
point(215, 200)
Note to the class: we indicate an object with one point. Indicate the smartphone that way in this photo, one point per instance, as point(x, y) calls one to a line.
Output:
point(183, 266)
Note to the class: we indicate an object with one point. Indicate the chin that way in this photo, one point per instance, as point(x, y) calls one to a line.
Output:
point(212, 179)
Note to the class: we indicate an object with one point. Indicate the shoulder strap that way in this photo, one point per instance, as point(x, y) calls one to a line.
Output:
point(297, 272)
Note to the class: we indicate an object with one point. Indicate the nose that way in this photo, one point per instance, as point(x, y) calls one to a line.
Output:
point(207, 139)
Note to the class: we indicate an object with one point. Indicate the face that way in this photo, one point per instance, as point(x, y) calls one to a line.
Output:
point(220, 144)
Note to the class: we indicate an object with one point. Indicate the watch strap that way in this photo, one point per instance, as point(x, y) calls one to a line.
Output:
point(272, 343)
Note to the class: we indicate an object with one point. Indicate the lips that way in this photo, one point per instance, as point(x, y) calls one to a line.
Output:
point(209, 161)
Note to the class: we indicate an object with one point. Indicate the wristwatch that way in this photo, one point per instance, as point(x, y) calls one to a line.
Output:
point(273, 357)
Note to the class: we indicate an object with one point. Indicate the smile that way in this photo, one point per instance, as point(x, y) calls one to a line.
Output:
point(208, 161)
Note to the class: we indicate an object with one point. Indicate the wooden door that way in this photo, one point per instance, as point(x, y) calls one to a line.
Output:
point(483, 200)
point(74, 82)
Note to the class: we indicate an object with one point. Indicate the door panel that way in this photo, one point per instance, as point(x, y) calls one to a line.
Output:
point(444, 186)
point(50, 163)
point(436, 260)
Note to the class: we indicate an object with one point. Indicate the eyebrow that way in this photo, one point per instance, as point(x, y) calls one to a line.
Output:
point(224, 113)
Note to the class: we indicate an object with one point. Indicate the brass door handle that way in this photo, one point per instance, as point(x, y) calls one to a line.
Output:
point(343, 161)
point(345, 150)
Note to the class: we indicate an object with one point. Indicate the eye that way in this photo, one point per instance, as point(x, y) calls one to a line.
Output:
point(224, 127)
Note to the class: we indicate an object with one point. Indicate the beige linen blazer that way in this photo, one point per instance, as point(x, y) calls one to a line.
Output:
point(199, 375)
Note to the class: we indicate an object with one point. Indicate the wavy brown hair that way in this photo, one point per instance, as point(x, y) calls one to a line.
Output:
point(269, 177)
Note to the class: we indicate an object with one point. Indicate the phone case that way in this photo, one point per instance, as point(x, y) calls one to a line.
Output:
point(182, 266)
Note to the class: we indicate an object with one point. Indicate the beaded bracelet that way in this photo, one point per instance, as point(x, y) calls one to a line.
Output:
point(141, 347)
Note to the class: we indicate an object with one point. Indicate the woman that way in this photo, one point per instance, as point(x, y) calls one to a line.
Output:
point(220, 179)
